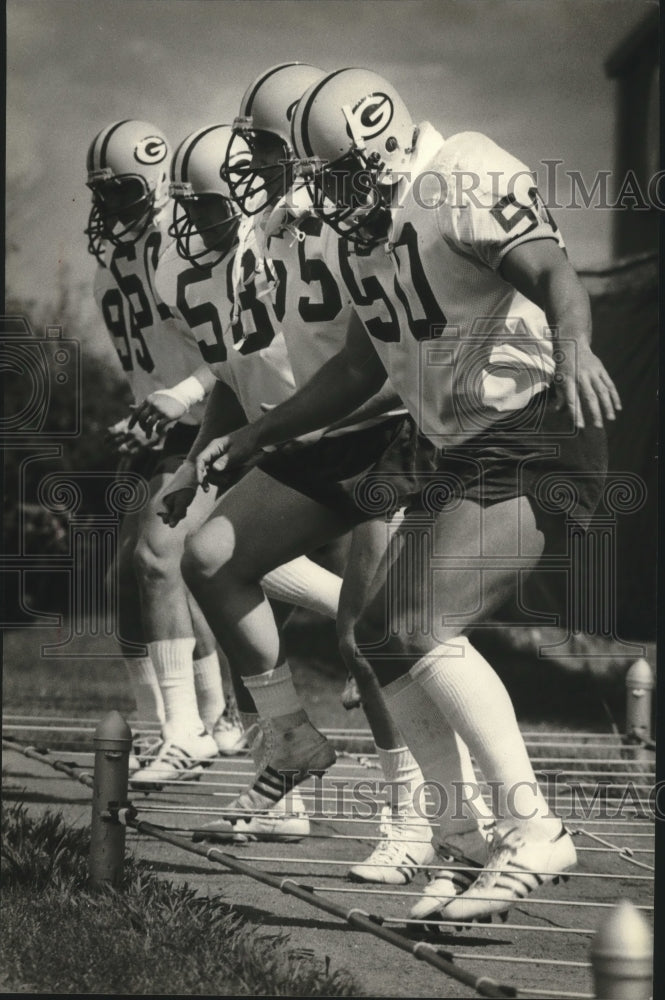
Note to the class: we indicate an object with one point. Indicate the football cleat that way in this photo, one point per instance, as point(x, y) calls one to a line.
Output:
point(517, 865)
point(286, 822)
point(395, 860)
point(351, 695)
point(181, 761)
point(290, 756)
point(144, 749)
point(461, 858)
point(228, 734)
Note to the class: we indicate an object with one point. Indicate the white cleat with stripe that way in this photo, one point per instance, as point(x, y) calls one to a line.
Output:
point(405, 846)
point(145, 748)
point(517, 865)
point(184, 760)
point(460, 858)
point(286, 822)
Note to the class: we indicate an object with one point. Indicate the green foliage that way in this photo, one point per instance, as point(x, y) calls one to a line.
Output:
point(147, 936)
point(103, 399)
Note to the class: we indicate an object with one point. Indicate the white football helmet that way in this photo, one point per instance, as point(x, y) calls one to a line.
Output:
point(127, 167)
point(205, 216)
point(266, 111)
point(353, 135)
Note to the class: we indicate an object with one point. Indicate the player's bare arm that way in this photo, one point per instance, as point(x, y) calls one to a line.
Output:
point(339, 388)
point(223, 414)
point(541, 271)
point(164, 406)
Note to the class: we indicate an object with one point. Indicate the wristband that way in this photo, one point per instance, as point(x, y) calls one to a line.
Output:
point(187, 392)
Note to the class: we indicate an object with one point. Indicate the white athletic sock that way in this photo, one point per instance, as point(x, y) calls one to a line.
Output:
point(273, 692)
point(469, 693)
point(405, 778)
point(443, 757)
point(145, 688)
point(175, 672)
point(208, 687)
point(306, 584)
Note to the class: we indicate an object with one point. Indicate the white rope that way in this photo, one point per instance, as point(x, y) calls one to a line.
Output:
point(446, 925)
point(519, 960)
point(522, 902)
point(532, 992)
point(330, 861)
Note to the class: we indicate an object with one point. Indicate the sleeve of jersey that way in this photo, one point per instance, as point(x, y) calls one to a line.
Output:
point(166, 278)
point(502, 212)
point(225, 374)
point(102, 282)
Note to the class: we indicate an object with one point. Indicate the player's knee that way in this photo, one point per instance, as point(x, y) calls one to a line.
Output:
point(203, 559)
point(153, 564)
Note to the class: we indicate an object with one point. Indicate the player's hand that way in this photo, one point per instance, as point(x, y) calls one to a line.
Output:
point(178, 494)
point(124, 440)
point(584, 386)
point(156, 412)
point(226, 454)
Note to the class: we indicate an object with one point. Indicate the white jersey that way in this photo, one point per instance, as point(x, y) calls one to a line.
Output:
point(309, 296)
point(155, 348)
point(461, 346)
point(243, 344)
point(315, 308)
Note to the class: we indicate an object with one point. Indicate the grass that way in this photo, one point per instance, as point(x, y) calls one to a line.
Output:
point(148, 936)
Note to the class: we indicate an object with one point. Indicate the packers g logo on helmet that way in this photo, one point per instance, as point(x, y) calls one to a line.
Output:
point(127, 176)
point(354, 137)
point(371, 116)
point(152, 149)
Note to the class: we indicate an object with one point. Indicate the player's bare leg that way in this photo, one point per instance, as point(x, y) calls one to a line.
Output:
point(258, 525)
point(214, 686)
point(122, 591)
point(406, 834)
point(439, 661)
point(165, 608)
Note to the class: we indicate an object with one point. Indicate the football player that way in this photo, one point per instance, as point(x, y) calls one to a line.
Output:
point(465, 298)
point(179, 683)
point(250, 355)
point(245, 354)
point(227, 557)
